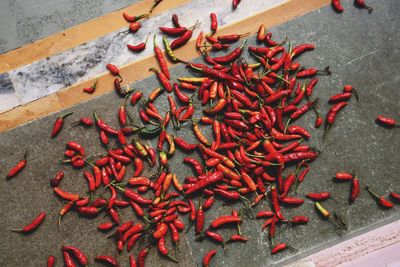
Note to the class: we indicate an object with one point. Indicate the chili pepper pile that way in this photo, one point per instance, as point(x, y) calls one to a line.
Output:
point(251, 110)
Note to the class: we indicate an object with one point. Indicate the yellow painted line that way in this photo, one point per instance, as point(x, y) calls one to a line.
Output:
point(73, 95)
point(80, 34)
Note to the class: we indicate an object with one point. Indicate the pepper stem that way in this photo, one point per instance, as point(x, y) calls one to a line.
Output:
point(372, 192)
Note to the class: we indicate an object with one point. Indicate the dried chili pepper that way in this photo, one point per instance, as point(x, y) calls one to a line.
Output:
point(279, 247)
point(78, 254)
point(386, 121)
point(107, 259)
point(337, 6)
point(139, 47)
point(207, 258)
point(91, 89)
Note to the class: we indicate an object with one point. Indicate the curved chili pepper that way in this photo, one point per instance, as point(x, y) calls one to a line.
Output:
point(68, 260)
point(114, 70)
point(78, 254)
point(231, 56)
point(181, 40)
point(184, 145)
point(207, 258)
point(129, 18)
point(355, 188)
point(18, 167)
point(142, 257)
point(337, 6)
point(33, 225)
point(65, 195)
point(318, 196)
point(199, 220)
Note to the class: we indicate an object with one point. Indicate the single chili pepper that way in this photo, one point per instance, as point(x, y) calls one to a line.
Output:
point(199, 135)
point(77, 147)
point(65, 195)
point(175, 20)
point(184, 145)
point(386, 121)
point(164, 251)
point(176, 31)
point(68, 260)
point(114, 70)
point(195, 164)
point(340, 97)
point(344, 176)
point(58, 124)
point(107, 259)
point(287, 184)
point(163, 79)
point(303, 109)
point(380, 199)
point(139, 47)
point(33, 225)
point(361, 4)
point(292, 200)
point(207, 258)
point(214, 22)
point(312, 72)
point(51, 261)
point(211, 178)
point(263, 214)
point(275, 203)
point(199, 219)
point(142, 257)
point(302, 155)
point(129, 18)
point(279, 247)
point(318, 196)
point(132, 195)
point(231, 38)
point(91, 181)
point(181, 40)
point(78, 254)
point(18, 167)
point(231, 56)
point(222, 220)
point(337, 6)
point(161, 60)
point(355, 188)
point(261, 33)
point(395, 196)
point(105, 226)
point(324, 212)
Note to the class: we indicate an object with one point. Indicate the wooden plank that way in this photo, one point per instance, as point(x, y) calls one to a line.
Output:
point(73, 95)
point(77, 35)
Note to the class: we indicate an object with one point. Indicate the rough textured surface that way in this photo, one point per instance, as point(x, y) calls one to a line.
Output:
point(25, 21)
point(360, 49)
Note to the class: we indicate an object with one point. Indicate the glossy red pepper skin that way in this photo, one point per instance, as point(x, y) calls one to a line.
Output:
point(33, 225)
point(18, 167)
point(142, 257)
point(51, 261)
point(210, 179)
point(207, 258)
point(386, 121)
point(225, 220)
point(181, 40)
point(279, 247)
point(355, 189)
point(78, 254)
point(58, 124)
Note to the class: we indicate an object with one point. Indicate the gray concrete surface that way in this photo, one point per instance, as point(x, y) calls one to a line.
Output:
point(361, 49)
point(25, 21)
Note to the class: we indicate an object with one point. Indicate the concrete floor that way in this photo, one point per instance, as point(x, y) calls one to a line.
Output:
point(361, 49)
point(25, 21)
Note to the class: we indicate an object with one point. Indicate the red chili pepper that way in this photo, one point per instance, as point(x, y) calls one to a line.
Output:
point(279, 247)
point(184, 145)
point(386, 121)
point(337, 6)
point(114, 70)
point(181, 96)
point(231, 38)
point(181, 40)
point(58, 124)
point(68, 260)
point(207, 258)
point(78, 254)
point(142, 257)
point(107, 259)
point(199, 220)
point(51, 261)
point(312, 72)
point(395, 196)
point(318, 196)
point(162, 62)
point(18, 167)
point(355, 189)
point(65, 195)
point(331, 115)
point(380, 199)
point(33, 225)
point(222, 220)
point(214, 22)
point(344, 176)
point(361, 4)
point(175, 20)
point(129, 18)
point(163, 78)
point(231, 56)
point(211, 178)
point(139, 47)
